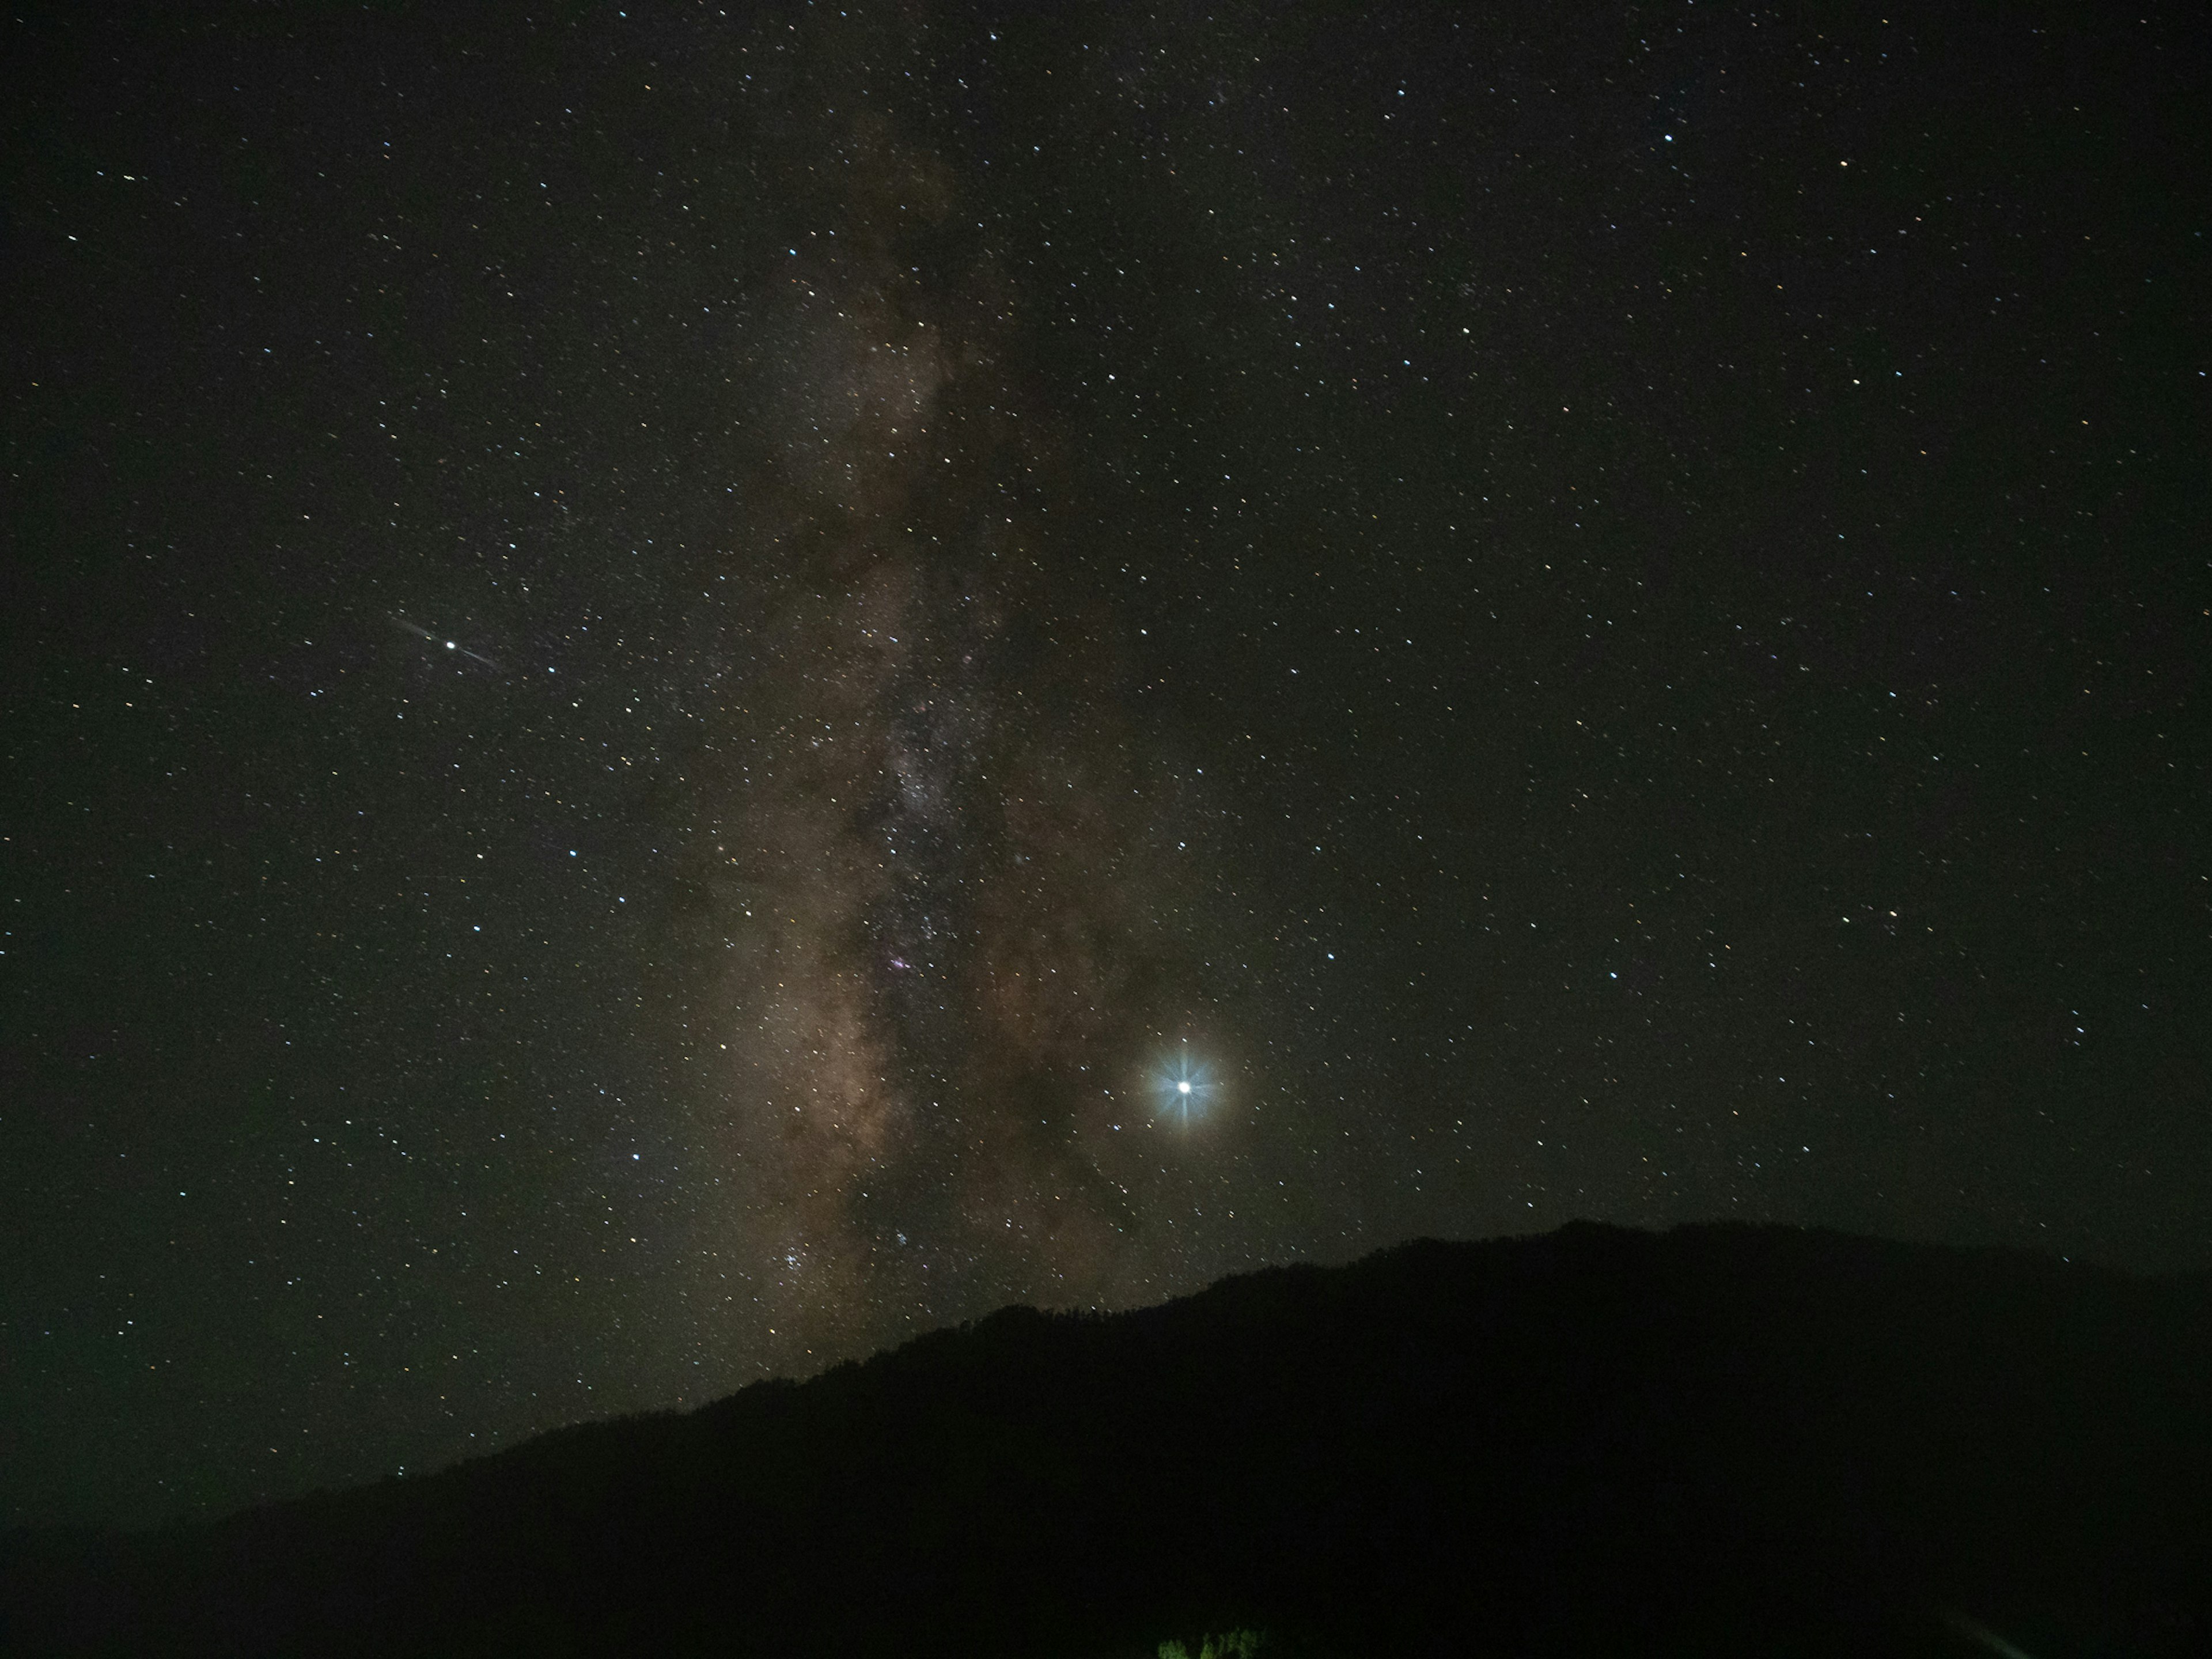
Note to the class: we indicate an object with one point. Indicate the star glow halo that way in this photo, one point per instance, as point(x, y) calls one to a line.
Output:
point(1182, 1087)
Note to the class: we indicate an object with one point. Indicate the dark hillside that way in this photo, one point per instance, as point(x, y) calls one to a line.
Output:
point(1721, 1439)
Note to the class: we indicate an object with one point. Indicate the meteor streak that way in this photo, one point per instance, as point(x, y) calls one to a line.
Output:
point(454, 645)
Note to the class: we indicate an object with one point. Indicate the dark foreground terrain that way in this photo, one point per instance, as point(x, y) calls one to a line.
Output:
point(1722, 1440)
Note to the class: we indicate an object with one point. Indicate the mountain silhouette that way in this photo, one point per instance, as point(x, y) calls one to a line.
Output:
point(1724, 1439)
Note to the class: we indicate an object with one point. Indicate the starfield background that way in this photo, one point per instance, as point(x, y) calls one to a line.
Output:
point(665, 670)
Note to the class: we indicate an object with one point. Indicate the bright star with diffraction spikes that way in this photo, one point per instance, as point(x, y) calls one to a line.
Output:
point(1183, 1087)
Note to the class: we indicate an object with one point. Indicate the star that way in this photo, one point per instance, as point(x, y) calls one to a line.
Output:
point(1183, 1087)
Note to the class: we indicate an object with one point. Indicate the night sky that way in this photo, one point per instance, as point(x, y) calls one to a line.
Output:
point(663, 670)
